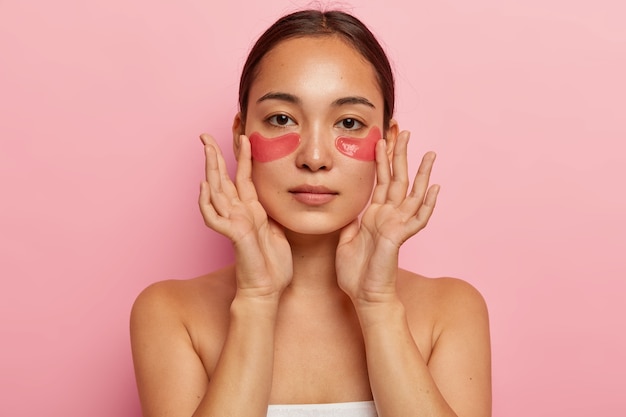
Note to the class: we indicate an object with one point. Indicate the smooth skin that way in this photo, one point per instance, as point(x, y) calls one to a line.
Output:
point(315, 308)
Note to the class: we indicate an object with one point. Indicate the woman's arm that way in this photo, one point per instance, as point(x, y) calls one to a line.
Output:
point(456, 381)
point(171, 377)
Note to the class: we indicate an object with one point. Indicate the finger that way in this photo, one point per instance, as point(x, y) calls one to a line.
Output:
point(211, 218)
point(211, 166)
point(415, 199)
point(227, 186)
point(348, 232)
point(217, 183)
point(426, 210)
point(422, 178)
point(400, 177)
point(204, 201)
point(383, 174)
point(243, 177)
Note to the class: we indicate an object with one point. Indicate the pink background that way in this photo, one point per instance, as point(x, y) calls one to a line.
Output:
point(101, 104)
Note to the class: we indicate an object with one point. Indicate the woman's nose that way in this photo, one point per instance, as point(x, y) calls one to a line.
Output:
point(315, 151)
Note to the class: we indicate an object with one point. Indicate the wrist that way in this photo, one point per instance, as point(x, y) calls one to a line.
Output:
point(382, 312)
point(246, 305)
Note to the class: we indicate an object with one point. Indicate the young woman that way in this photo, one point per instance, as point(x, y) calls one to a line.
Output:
point(314, 317)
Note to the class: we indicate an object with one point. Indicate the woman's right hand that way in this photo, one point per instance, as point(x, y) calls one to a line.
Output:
point(263, 260)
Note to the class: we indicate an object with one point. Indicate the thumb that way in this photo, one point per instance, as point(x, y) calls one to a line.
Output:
point(349, 232)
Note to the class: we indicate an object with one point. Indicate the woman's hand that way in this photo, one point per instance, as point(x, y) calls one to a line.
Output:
point(367, 254)
point(262, 254)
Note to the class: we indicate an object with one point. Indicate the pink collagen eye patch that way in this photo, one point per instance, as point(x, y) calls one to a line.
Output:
point(269, 149)
point(363, 149)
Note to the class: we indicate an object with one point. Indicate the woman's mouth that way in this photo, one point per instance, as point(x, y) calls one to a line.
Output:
point(313, 195)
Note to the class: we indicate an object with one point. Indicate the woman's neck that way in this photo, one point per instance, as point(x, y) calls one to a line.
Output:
point(313, 262)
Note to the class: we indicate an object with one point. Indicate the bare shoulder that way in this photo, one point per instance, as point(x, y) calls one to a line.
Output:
point(446, 295)
point(177, 328)
point(449, 320)
point(184, 301)
point(438, 305)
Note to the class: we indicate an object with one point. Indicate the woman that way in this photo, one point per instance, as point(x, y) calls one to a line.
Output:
point(314, 316)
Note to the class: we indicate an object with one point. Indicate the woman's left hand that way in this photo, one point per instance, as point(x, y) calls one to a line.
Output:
point(367, 254)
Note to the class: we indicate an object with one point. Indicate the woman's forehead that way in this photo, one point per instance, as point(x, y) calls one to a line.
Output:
point(313, 66)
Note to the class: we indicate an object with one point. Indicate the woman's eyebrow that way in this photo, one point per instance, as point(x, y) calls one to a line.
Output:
point(353, 100)
point(290, 98)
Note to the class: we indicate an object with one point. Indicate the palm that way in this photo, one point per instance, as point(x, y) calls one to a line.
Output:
point(367, 255)
point(263, 255)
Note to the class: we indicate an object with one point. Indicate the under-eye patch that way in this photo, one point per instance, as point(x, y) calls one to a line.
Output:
point(363, 149)
point(269, 149)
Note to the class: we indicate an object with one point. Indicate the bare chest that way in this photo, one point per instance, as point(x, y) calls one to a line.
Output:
point(319, 357)
point(320, 363)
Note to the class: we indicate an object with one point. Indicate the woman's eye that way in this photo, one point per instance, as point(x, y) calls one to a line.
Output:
point(281, 120)
point(350, 124)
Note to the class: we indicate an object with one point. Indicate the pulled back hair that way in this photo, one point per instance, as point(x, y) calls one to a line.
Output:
point(307, 23)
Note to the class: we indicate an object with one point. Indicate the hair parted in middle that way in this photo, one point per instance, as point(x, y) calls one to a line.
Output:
point(308, 23)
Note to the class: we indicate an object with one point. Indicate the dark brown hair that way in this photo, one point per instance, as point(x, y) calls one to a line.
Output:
point(318, 23)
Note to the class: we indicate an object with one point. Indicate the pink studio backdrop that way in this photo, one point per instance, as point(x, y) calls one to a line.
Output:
point(101, 104)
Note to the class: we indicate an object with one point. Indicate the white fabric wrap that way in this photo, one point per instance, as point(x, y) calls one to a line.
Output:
point(352, 409)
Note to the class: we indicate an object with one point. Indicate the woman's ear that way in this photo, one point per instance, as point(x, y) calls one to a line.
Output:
point(391, 135)
point(238, 130)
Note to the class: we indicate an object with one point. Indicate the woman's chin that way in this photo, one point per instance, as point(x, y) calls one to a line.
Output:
point(314, 229)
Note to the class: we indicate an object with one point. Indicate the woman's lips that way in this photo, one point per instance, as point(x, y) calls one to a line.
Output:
point(313, 195)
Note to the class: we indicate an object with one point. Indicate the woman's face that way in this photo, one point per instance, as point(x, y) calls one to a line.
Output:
point(315, 112)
